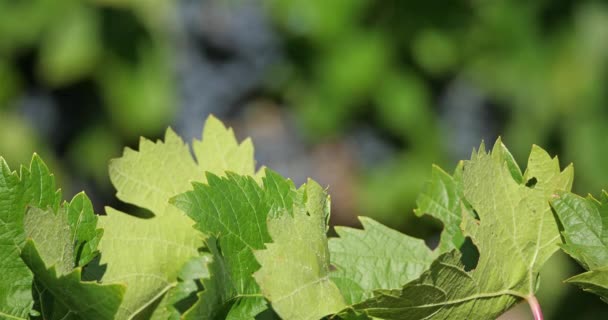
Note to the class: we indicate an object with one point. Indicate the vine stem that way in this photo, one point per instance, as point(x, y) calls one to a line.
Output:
point(535, 307)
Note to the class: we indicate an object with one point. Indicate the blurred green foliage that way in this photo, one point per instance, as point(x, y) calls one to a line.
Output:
point(23, 140)
point(116, 52)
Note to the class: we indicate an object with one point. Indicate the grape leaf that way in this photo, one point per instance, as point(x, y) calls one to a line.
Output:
point(40, 234)
point(67, 238)
point(183, 296)
point(594, 281)
point(515, 234)
point(442, 198)
point(219, 151)
point(33, 186)
point(65, 296)
point(55, 241)
point(585, 233)
point(83, 233)
point(147, 254)
point(379, 258)
point(51, 232)
point(233, 212)
point(359, 274)
point(375, 258)
point(585, 228)
point(295, 269)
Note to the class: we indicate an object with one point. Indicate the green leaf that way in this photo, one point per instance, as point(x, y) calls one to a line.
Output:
point(585, 228)
point(183, 296)
point(594, 281)
point(585, 233)
point(427, 297)
point(358, 274)
point(67, 238)
point(219, 151)
point(33, 186)
point(295, 268)
point(442, 198)
point(53, 243)
point(51, 232)
point(375, 258)
point(71, 296)
point(148, 254)
point(83, 233)
point(233, 212)
point(515, 234)
point(62, 294)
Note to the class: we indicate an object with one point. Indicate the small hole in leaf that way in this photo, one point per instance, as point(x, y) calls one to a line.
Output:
point(531, 183)
point(475, 214)
point(470, 254)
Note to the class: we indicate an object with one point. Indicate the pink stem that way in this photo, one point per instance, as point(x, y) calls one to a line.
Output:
point(535, 307)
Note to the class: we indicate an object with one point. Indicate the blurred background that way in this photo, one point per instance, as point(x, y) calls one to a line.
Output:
point(361, 95)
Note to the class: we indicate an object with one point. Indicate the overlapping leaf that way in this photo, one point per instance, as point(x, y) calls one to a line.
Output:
point(375, 258)
point(267, 241)
point(183, 296)
point(585, 233)
point(53, 250)
point(515, 234)
point(233, 211)
point(442, 198)
point(65, 296)
point(148, 254)
point(46, 248)
point(363, 256)
point(362, 270)
point(295, 268)
point(17, 191)
point(379, 258)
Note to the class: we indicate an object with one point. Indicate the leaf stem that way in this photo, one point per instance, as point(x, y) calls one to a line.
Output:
point(535, 307)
